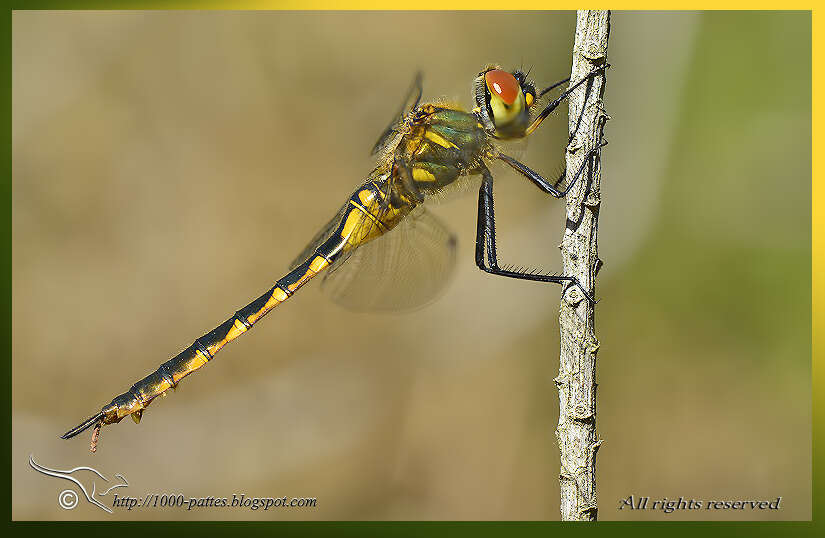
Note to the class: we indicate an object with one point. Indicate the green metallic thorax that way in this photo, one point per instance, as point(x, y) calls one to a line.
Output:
point(441, 145)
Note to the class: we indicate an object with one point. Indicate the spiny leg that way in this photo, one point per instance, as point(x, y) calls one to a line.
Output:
point(557, 101)
point(544, 184)
point(538, 179)
point(485, 233)
point(486, 255)
point(550, 87)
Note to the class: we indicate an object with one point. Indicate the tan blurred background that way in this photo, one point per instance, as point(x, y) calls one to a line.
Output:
point(169, 165)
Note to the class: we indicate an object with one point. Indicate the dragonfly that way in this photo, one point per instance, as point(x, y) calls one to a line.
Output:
point(383, 235)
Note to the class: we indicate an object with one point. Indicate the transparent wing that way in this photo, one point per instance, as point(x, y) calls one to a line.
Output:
point(329, 228)
point(410, 102)
point(319, 238)
point(404, 269)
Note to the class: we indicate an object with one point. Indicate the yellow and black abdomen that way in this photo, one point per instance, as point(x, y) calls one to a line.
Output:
point(443, 144)
point(368, 214)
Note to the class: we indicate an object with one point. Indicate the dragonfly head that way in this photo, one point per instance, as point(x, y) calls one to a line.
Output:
point(503, 100)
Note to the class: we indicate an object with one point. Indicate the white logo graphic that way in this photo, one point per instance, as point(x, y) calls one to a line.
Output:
point(68, 498)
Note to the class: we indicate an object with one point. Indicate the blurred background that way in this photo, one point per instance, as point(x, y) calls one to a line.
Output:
point(169, 165)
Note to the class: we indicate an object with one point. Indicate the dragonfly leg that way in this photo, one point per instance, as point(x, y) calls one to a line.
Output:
point(538, 179)
point(544, 184)
point(552, 105)
point(486, 255)
point(554, 85)
point(401, 169)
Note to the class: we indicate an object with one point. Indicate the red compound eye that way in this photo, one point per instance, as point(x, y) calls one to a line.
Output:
point(503, 84)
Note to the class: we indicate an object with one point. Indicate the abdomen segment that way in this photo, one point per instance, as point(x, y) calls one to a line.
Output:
point(364, 218)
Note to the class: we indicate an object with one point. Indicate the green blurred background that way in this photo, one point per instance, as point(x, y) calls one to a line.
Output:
point(169, 165)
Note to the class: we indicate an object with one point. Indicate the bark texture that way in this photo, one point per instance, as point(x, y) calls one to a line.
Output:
point(576, 432)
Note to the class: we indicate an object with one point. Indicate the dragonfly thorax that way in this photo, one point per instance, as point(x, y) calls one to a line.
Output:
point(442, 144)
